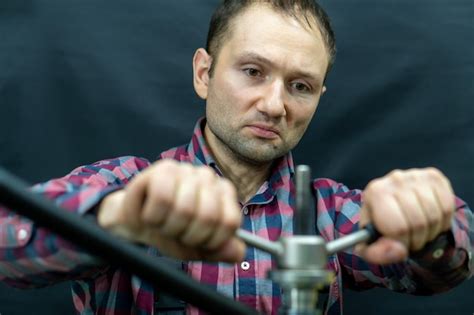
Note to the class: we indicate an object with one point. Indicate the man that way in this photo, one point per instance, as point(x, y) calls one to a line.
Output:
point(261, 75)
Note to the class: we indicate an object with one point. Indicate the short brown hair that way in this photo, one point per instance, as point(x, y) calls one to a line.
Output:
point(302, 10)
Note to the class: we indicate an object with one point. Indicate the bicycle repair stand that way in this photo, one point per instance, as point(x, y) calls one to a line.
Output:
point(302, 258)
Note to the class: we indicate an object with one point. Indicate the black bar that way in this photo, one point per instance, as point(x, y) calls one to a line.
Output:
point(16, 195)
point(374, 234)
point(304, 222)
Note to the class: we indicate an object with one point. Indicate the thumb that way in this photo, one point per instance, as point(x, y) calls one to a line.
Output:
point(383, 251)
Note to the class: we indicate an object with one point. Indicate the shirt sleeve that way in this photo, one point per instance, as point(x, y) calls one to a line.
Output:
point(31, 256)
point(441, 265)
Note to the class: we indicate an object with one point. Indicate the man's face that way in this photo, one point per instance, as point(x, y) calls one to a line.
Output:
point(265, 87)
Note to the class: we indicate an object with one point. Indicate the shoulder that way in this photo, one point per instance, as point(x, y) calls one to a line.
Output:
point(108, 170)
point(179, 153)
point(336, 196)
point(130, 163)
point(338, 206)
point(328, 187)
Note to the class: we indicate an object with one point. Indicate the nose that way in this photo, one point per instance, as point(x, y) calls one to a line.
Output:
point(272, 103)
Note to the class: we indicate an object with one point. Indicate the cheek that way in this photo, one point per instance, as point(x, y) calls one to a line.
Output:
point(235, 88)
point(234, 101)
point(299, 115)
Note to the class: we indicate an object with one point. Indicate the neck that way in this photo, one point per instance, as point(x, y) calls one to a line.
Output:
point(246, 176)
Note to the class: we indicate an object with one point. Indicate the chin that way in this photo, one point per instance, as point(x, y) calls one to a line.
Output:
point(263, 156)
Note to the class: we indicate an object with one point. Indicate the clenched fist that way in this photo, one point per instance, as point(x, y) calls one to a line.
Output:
point(409, 208)
point(185, 211)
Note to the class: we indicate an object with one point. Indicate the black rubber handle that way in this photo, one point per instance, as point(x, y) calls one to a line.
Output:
point(374, 234)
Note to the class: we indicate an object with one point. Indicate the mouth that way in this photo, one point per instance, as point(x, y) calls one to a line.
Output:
point(264, 131)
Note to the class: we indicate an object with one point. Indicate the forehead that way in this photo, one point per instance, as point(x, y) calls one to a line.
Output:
point(281, 38)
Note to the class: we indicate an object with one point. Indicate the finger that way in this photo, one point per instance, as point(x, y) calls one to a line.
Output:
point(445, 196)
point(230, 219)
point(207, 209)
point(182, 208)
point(382, 209)
point(431, 209)
point(110, 212)
point(383, 251)
point(207, 215)
point(415, 217)
point(385, 213)
point(135, 194)
point(162, 183)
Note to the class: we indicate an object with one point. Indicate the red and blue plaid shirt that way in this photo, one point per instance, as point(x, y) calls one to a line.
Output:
point(31, 256)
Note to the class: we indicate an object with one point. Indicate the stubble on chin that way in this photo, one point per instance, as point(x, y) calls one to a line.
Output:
point(251, 150)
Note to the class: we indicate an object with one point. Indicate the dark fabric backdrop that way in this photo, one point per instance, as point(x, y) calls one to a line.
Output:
point(91, 79)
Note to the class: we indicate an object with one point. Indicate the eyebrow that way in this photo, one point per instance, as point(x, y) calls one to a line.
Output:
point(261, 59)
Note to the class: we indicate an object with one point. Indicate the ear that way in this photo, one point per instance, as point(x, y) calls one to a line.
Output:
point(201, 65)
point(324, 89)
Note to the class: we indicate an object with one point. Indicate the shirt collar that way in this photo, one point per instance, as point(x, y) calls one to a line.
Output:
point(200, 154)
point(198, 151)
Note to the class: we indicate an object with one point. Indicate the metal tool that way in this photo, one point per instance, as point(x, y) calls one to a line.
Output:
point(302, 258)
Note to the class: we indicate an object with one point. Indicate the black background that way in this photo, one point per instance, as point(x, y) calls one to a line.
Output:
point(86, 80)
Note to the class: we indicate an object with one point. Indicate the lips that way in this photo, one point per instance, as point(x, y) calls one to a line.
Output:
point(264, 131)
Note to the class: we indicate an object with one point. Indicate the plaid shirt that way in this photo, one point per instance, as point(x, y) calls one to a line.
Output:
point(31, 256)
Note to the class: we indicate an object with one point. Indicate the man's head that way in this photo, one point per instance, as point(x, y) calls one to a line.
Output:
point(268, 70)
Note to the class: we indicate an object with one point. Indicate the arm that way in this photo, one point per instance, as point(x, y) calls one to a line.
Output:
point(437, 263)
point(31, 256)
point(186, 211)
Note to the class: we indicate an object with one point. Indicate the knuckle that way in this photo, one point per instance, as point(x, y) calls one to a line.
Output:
point(375, 186)
point(166, 165)
point(397, 176)
point(434, 173)
point(435, 176)
point(185, 169)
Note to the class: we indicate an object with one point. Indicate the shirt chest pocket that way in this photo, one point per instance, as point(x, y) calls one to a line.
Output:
point(14, 232)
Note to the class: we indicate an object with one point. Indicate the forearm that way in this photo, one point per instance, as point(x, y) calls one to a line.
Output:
point(44, 259)
point(447, 260)
point(31, 256)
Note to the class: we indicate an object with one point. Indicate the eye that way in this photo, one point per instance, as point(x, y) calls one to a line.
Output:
point(252, 72)
point(300, 87)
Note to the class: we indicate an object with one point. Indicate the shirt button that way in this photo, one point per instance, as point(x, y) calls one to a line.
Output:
point(438, 253)
point(245, 265)
point(22, 234)
point(245, 211)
